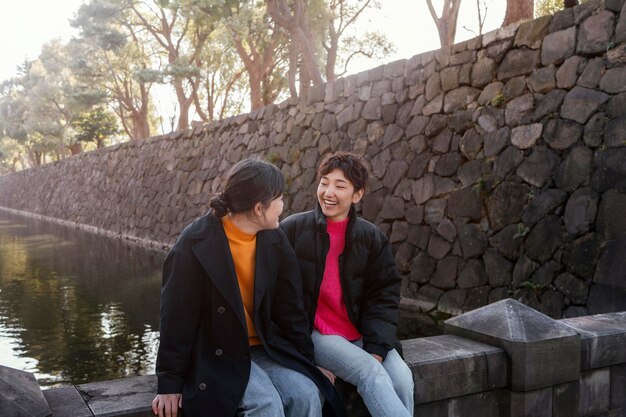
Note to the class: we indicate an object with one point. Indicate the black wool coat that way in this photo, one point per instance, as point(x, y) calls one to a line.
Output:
point(369, 278)
point(203, 351)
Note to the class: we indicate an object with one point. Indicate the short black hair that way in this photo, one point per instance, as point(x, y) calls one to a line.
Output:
point(352, 165)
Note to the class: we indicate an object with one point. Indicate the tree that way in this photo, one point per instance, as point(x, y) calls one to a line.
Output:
point(341, 16)
point(95, 126)
point(178, 39)
point(11, 155)
point(517, 10)
point(111, 54)
point(261, 47)
point(446, 24)
point(38, 105)
point(222, 89)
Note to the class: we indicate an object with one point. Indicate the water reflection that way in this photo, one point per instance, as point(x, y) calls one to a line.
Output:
point(75, 307)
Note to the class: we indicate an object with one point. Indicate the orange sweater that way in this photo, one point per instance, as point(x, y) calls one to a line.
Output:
point(243, 249)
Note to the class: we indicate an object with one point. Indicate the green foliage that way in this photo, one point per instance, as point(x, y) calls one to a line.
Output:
point(550, 7)
point(497, 100)
point(547, 7)
point(522, 230)
point(96, 126)
point(480, 186)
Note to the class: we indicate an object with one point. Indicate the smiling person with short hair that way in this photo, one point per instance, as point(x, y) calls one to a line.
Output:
point(351, 289)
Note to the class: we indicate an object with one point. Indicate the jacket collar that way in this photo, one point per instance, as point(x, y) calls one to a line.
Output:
point(320, 221)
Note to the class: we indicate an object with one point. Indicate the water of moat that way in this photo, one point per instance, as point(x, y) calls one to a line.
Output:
point(77, 307)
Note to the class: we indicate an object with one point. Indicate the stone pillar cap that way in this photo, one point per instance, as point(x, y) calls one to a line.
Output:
point(512, 321)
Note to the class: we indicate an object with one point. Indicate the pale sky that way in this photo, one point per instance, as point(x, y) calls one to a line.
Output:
point(28, 24)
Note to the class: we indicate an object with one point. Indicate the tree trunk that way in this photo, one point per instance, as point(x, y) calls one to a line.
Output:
point(517, 10)
point(446, 24)
point(76, 148)
point(295, 23)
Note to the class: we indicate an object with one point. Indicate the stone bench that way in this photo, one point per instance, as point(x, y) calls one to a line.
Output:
point(501, 360)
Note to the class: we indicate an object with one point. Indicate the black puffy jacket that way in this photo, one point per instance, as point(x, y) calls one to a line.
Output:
point(368, 274)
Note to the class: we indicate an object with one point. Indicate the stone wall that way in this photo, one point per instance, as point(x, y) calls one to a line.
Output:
point(458, 374)
point(499, 166)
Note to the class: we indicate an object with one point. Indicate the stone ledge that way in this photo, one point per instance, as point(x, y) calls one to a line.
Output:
point(450, 366)
point(129, 397)
point(66, 401)
point(603, 339)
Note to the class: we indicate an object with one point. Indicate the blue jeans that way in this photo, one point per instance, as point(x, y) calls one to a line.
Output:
point(276, 391)
point(386, 389)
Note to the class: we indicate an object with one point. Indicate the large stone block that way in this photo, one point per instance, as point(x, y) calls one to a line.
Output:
point(565, 400)
point(506, 162)
point(580, 211)
point(610, 170)
point(618, 386)
point(575, 170)
point(620, 29)
point(507, 242)
point(613, 80)
point(581, 256)
point(580, 103)
point(459, 98)
point(537, 403)
point(505, 204)
point(544, 238)
point(473, 240)
point(497, 268)
point(612, 264)
point(561, 134)
point(518, 62)
point(611, 222)
point(483, 404)
point(449, 366)
point(531, 33)
point(537, 168)
point(465, 203)
point(595, 392)
point(20, 394)
point(558, 46)
point(595, 33)
point(542, 352)
point(567, 74)
point(615, 133)
point(548, 105)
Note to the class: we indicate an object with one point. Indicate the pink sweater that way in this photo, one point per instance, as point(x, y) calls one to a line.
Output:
point(331, 316)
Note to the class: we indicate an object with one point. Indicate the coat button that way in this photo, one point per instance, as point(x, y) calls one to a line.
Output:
point(202, 386)
point(218, 352)
point(221, 310)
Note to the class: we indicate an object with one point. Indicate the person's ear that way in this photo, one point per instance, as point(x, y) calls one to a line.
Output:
point(258, 209)
point(356, 197)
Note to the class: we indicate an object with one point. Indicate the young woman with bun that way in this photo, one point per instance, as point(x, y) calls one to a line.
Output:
point(234, 336)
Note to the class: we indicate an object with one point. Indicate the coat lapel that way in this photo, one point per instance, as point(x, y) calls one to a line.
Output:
point(214, 255)
point(267, 259)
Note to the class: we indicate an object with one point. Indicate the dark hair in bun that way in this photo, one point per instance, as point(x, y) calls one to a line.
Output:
point(248, 182)
point(219, 204)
